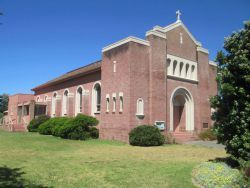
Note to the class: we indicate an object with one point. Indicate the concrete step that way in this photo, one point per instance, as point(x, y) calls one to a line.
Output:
point(181, 137)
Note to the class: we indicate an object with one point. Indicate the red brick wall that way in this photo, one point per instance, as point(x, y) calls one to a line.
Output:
point(86, 82)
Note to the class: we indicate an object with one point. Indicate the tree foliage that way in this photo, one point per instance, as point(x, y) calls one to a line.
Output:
point(232, 104)
point(4, 99)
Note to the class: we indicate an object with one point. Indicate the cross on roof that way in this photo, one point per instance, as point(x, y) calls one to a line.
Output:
point(178, 13)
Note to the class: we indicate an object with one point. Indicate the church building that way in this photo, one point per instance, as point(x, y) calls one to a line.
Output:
point(165, 80)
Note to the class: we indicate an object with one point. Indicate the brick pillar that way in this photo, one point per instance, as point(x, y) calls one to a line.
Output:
point(71, 104)
point(32, 109)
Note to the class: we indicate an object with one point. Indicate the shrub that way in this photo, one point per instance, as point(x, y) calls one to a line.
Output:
point(94, 132)
point(146, 135)
point(207, 135)
point(211, 174)
point(52, 125)
point(80, 128)
point(35, 123)
point(55, 130)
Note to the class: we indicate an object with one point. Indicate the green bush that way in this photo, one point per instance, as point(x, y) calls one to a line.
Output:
point(80, 128)
point(55, 130)
point(94, 132)
point(35, 123)
point(52, 126)
point(146, 135)
point(211, 175)
point(207, 135)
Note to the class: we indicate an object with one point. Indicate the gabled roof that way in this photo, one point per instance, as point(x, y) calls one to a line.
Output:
point(72, 74)
point(175, 25)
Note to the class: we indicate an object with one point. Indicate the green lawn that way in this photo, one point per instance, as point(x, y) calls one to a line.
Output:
point(53, 162)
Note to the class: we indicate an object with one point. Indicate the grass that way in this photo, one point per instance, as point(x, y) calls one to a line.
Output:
point(53, 162)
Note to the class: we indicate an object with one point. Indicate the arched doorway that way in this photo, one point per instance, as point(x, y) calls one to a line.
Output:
point(181, 110)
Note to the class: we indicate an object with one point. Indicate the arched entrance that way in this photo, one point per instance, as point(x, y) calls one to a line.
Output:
point(181, 110)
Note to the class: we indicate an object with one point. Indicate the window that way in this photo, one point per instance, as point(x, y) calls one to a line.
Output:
point(181, 68)
point(38, 99)
point(187, 70)
point(96, 98)
point(192, 72)
point(53, 106)
point(45, 98)
point(121, 101)
point(114, 103)
point(26, 110)
point(175, 67)
point(78, 108)
point(65, 103)
point(107, 103)
point(140, 107)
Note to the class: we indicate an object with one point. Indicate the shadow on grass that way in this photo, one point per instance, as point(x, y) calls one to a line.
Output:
point(12, 178)
point(228, 160)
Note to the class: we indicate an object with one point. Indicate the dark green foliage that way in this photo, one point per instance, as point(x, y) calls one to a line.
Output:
point(146, 135)
point(94, 132)
point(80, 128)
point(207, 135)
point(51, 126)
point(35, 123)
point(4, 99)
point(232, 116)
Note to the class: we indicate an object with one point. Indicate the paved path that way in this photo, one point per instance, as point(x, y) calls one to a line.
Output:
point(212, 144)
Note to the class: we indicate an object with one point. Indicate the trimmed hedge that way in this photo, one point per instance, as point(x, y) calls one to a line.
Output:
point(80, 128)
point(52, 125)
point(146, 135)
point(35, 123)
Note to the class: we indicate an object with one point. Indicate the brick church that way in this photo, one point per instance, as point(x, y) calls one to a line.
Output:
point(165, 79)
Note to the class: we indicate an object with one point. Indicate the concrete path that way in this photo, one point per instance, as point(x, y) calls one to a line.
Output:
point(211, 144)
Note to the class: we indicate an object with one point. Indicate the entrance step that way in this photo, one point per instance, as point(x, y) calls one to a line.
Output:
point(181, 137)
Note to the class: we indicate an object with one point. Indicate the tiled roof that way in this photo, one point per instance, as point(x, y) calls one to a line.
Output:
point(72, 74)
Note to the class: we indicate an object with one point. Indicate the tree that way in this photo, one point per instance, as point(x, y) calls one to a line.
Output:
point(232, 104)
point(4, 99)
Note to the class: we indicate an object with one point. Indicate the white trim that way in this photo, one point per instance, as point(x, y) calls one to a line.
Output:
point(138, 109)
point(65, 103)
point(77, 101)
point(120, 94)
point(173, 26)
point(113, 95)
point(124, 41)
point(213, 63)
point(93, 99)
point(156, 33)
point(201, 49)
point(189, 109)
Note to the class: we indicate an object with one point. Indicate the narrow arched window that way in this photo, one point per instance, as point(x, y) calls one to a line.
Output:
point(53, 106)
point(45, 98)
point(107, 103)
point(38, 99)
point(121, 103)
point(78, 108)
point(65, 103)
point(140, 107)
point(193, 72)
point(181, 68)
point(187, 71)
point(96, 97)
point(114, 104)
point(174, 67)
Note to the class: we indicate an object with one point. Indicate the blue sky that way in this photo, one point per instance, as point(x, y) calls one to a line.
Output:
point(42, 39)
